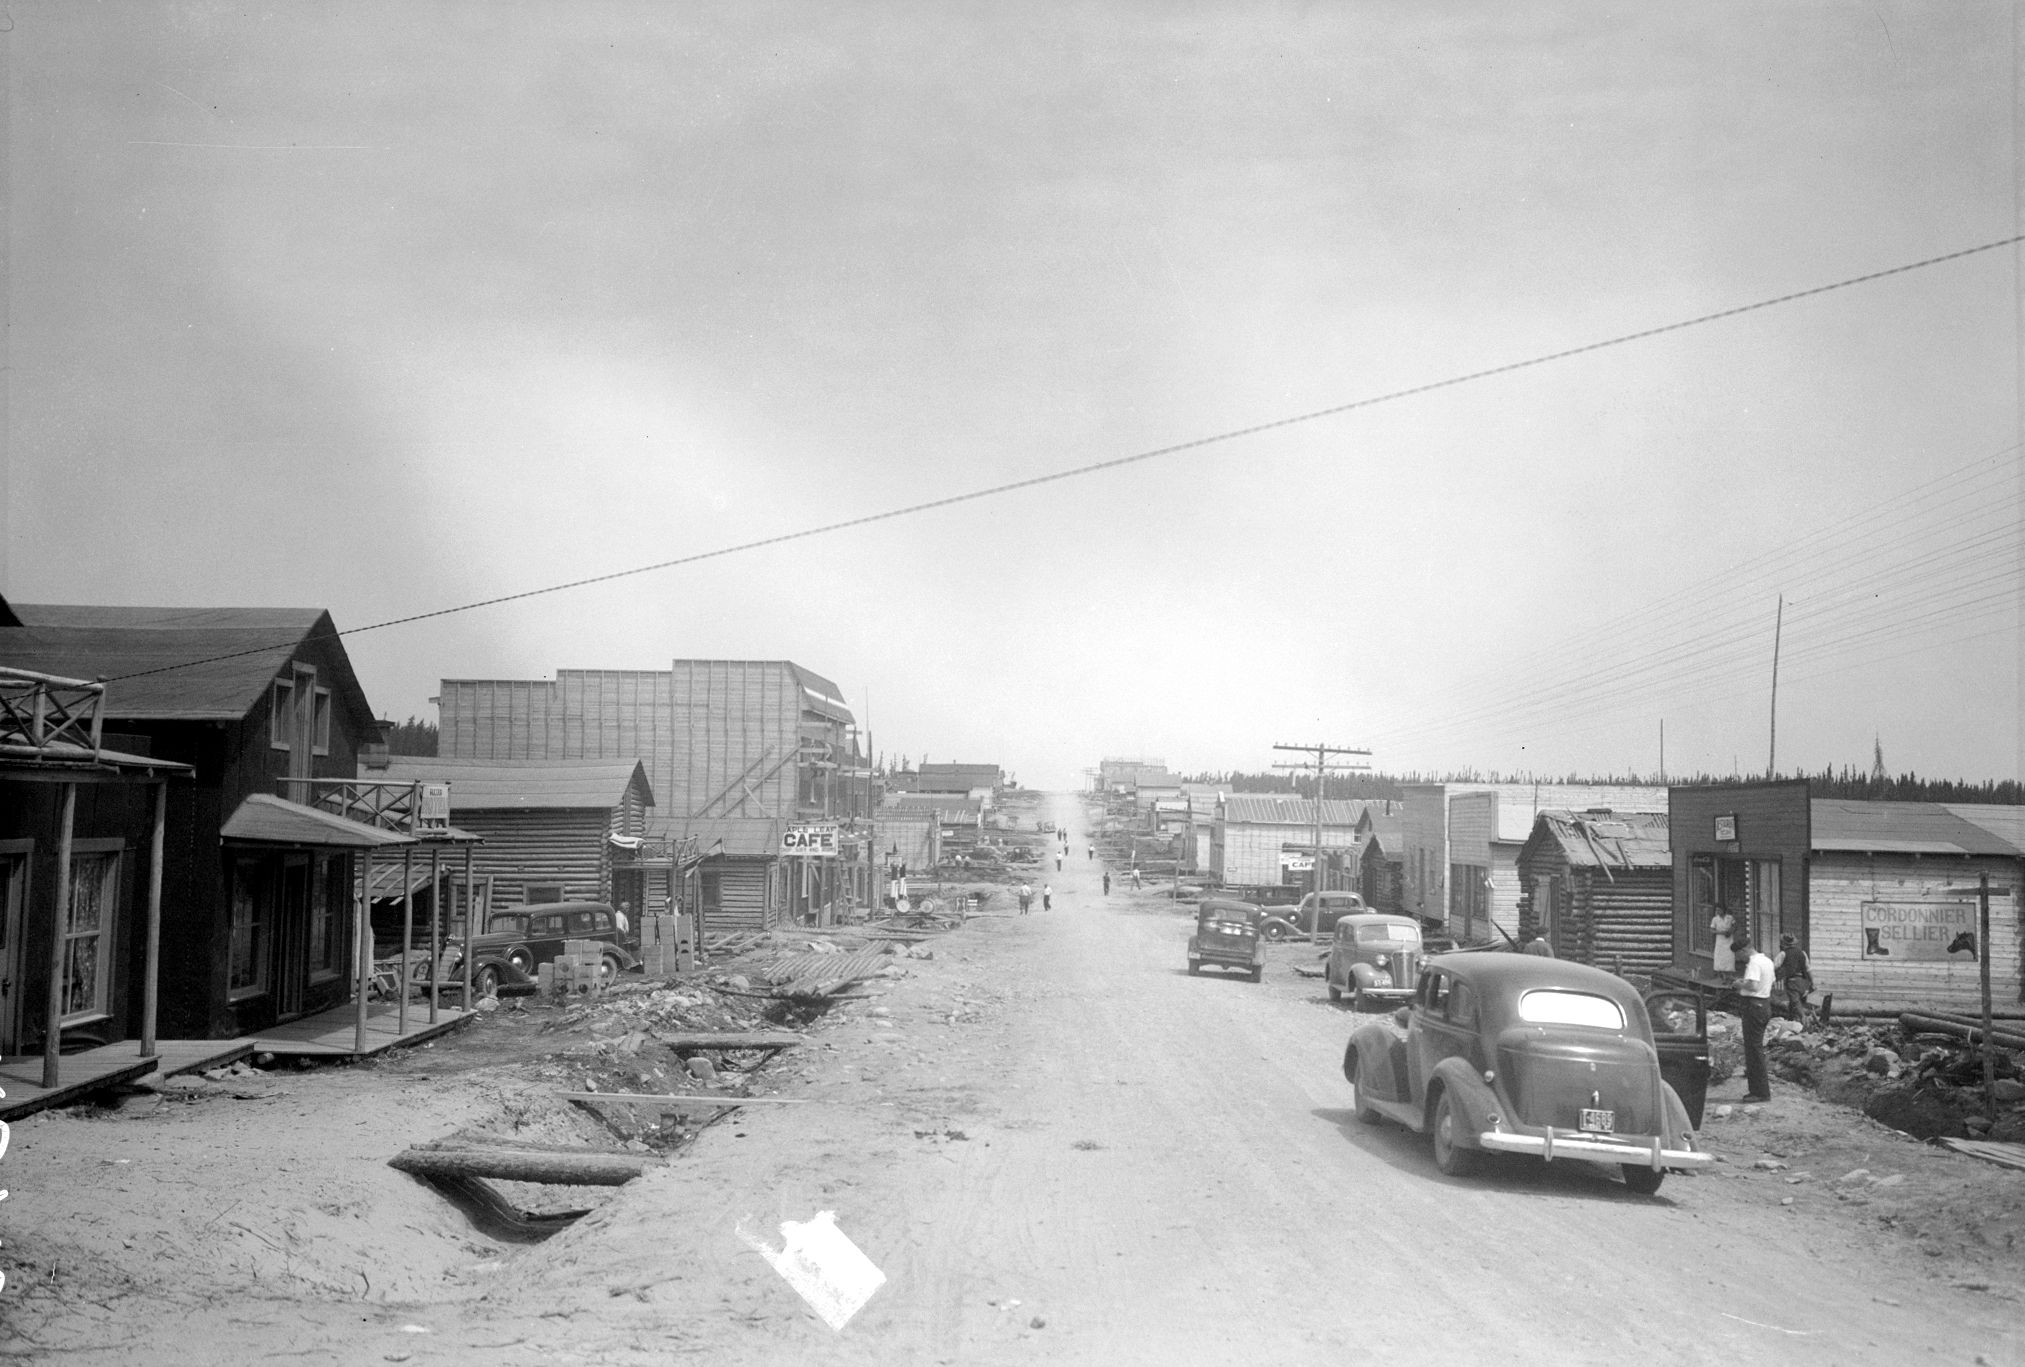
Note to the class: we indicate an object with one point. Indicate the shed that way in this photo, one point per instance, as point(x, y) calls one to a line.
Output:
point(1266, 838)
point(1599, 885)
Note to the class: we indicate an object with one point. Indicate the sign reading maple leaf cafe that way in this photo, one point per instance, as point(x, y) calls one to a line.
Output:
point(811, 840)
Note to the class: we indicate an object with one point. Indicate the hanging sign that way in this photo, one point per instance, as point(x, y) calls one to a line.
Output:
point(812, 841)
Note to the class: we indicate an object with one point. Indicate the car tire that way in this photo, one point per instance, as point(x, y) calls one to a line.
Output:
point(521, 959)
point(1195, 965)
point(1451, 1157)
point(1258, 974)
point(1366, 1113)
point(609, 969)
point(485, 981)
point(1335, 992)
point(1357, 999)
point(1643, 1179)
point(1276, 933)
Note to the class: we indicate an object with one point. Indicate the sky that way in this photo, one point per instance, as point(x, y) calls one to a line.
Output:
point(392, 308)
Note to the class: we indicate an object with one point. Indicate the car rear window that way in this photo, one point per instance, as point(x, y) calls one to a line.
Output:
point(1570, 1008)
point(1403, 935)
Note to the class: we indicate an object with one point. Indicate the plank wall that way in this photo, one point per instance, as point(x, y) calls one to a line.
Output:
point(1841, 883)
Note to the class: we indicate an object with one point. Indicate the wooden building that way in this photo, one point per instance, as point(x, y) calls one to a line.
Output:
point(257, 892)
point(553, 830)
point(1380, 866)
point(1599, 886)
point(1880, 894)
point(1264, 838)
point(969, 780)
point(735, 751)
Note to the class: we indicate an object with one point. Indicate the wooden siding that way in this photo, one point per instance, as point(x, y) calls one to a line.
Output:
point(1841, 883)
point(1774, 821)
point(552, 846)
point(744, 896)
point(1382, 884)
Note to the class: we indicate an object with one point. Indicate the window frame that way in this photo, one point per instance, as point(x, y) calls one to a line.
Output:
point(281, 714)
point(260, 900)
point(106, 932)
point(319, 724)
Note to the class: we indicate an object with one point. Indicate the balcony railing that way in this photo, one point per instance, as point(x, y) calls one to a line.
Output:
point(411, 808)
point(49, 715)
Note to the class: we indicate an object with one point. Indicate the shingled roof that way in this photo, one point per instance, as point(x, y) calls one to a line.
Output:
point(88, 642)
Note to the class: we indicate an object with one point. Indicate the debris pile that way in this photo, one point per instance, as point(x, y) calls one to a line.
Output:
point(1919, 1074)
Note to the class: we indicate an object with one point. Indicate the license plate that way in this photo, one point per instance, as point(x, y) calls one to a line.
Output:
point(1598, 1122)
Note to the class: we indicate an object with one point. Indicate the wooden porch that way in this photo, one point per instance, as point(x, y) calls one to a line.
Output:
point(335, 1033)
point(107, 1066)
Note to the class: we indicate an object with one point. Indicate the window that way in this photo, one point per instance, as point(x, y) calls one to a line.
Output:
point(247, 972)
point(1385, 934)
point(1434, 990)
point(320, 734)
point(581, 923)
point(88, 934)
point(329, 890)
point(1462, 1004)
point(1570, 1008)
point(281, 715)
point(544, 892)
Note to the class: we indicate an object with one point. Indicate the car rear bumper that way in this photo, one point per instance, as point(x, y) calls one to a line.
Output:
point(1649, 1154)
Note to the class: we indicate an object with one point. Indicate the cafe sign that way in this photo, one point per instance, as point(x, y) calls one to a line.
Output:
point(815, 840)
point(1920, 931)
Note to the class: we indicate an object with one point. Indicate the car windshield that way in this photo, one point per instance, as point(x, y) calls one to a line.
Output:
point(1401, 935)
point(1570, 1008)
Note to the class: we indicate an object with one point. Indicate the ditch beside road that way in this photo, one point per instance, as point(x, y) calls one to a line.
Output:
point(1057, 1146)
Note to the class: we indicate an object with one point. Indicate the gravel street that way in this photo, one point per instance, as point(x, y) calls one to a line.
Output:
point(1059, 1147)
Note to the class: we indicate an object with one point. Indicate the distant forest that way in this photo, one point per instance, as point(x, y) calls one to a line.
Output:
point(1847, 782)
point(413, 737)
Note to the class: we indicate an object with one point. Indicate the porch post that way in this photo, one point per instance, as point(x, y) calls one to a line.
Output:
point(470, 916)
point(52, 1047)
point(362, 949)
point(435, 923)
point(151, 985)
point(407, 934)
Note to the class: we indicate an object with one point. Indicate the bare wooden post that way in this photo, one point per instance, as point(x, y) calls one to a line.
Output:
point(470, 916)
point(1983, 953)
point(52, 1047)
point(362, 947)
point(151, 984)
point(407, 935)
point(435, 922)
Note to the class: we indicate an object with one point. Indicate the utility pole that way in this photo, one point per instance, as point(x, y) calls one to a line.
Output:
point(1322, 768)
point(1778, 629)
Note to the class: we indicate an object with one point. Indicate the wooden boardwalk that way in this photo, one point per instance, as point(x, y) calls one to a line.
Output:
point(334, 1033)
point(92, 1070)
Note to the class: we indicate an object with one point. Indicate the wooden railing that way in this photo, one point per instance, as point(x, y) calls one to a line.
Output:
point(43, 713)
point(387, 804)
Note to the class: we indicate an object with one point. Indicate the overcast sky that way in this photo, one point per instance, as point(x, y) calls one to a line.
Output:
point(386, 308)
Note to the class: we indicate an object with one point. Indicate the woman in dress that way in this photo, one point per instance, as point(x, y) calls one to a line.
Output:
point(1723, 926)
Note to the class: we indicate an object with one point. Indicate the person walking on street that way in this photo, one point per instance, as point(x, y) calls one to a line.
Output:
point(1026, 897)
point(1723, 926)
point(1754, 1003)
point(1047, 897)
point(1795, 975)
point(1058, 863)
point(1090, 852)
point(1135, 876)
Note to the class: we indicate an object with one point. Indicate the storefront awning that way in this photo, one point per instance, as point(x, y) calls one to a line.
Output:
point(264, 820)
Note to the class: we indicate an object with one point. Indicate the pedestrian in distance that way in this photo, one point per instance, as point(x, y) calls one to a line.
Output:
point(1090, 852)
point(1107, 882)
point(1047, 897)
point(1795, 976)
point(1723, 927)
point(1754, 1004)
point(619, 916)
point(1135, 876)
point(1058, 863)
point(1026, 897)
point(1531, 941)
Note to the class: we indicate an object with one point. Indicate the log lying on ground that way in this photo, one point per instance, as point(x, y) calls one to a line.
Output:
point(684, 1099)
point(493, 1214)
point(578, 1169)
point(729, 1039)
point(1962, 1030)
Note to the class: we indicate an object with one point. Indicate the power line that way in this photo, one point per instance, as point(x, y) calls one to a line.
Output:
point(1119, 462)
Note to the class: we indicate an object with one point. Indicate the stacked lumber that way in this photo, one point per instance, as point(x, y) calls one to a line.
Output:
point(816, 973)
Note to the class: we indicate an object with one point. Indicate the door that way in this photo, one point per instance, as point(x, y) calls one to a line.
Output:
point(14, 864)
point(291, 935)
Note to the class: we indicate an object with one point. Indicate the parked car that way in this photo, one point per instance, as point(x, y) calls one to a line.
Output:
point(1227, 936)
point(1513, 1053)
point(530, 936)
point(1374, 959)
point(1283, 922)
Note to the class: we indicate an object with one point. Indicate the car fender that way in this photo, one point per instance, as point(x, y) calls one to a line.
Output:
point(1466, 1086)
point(1679, 1131)
point(1373, 1052)
point(626, 960)
point(1367, 975)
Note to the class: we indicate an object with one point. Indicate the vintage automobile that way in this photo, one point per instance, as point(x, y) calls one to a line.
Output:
point(1374, 959)
point(529, 936)
point(1227, 936)
point(1513, 1053)
point(1283, 922)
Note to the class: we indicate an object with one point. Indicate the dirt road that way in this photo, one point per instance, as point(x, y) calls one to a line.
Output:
point(1060, 1147)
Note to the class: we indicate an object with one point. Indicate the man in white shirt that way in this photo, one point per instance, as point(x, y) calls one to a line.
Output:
point(1754, 1002)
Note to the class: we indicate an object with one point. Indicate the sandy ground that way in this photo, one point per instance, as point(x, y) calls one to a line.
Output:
point(1055, 1144)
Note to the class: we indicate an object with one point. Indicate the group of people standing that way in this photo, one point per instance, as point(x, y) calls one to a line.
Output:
point(1754, 981)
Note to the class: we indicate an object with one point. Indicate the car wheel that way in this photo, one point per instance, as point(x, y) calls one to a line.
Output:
point(521, 959)
point(1450, 1156)
point(609, 968)
point(485, 982)
point(1195, 965)
point(1366, 1112)
point(1642, 1179)
point(1357, 998)
point(1258, 974)
point(1276, 932)
point(1335, 992)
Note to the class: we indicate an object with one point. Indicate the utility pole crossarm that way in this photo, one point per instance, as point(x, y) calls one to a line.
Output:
point(1321, 768)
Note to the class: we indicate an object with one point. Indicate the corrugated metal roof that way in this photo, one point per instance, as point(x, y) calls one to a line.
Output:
point(1846, 824)
point(1269, 809)
point(943, 778)
point(1607, 839)
point(2006, 823)
point(507, 785)
point(265, 820)
point(91, 642)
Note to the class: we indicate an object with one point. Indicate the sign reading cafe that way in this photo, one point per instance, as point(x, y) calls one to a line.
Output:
point(1919, 930)
point(817, 840)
